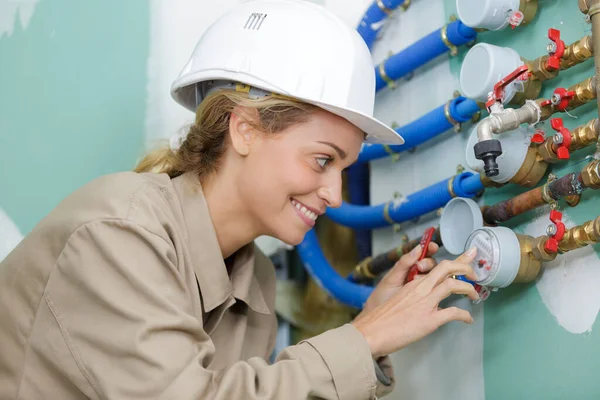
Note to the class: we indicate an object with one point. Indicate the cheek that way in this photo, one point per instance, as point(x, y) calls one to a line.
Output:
point(275, 179)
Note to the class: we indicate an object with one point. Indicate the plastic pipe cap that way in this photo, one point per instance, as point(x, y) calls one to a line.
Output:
point(485, 65)
point(515, 145)
point(486, 14)
point(460, 217)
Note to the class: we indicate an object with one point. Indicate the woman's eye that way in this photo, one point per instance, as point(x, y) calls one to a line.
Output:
point(323, 161)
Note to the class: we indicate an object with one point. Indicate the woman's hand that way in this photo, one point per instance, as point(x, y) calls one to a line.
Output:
point(394, 280)
point(413, 313)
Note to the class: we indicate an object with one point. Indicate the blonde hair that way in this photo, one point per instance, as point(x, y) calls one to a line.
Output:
point(202, 150)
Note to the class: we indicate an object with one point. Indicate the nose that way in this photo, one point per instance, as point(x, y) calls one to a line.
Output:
point(331, 190)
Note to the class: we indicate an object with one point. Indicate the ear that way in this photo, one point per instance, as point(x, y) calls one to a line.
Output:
point(241, 132)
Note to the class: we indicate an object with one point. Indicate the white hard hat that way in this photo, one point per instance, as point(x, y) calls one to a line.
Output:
point(293, 48)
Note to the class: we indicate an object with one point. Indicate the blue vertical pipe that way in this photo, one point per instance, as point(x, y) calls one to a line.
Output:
point(423, 51)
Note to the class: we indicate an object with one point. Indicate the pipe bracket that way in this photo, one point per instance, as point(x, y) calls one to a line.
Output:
point(389, 81)
point(444, 35)
point(386, 213)
point(451, 187)
point(383, 8)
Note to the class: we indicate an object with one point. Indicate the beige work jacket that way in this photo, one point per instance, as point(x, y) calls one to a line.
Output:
point(121, 292)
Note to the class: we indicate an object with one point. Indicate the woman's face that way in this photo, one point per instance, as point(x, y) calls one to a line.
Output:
point(291, 177)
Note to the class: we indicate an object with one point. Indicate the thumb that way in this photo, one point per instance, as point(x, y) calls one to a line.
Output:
point(412, 257)
point(468, 255)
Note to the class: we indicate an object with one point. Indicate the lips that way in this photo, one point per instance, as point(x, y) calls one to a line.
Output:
point(305, 213)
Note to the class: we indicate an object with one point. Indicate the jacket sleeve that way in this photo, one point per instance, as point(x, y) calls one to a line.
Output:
point(125, 316)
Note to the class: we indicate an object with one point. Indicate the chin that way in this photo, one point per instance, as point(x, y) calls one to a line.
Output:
point(291, 237)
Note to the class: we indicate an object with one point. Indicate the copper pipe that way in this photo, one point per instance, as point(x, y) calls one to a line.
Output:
point(369, 268)
point(568, 186)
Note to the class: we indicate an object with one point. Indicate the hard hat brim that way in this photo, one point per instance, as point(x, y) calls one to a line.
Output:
point(376, 131)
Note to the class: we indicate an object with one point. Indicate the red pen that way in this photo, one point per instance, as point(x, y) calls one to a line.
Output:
point(424, 244)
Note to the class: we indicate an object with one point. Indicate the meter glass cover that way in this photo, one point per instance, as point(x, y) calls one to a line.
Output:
point(487, 260)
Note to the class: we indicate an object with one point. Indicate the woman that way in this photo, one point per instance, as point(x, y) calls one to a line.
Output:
point(147, 284)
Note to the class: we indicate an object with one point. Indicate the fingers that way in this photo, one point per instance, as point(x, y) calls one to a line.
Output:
point(426, 264)
point(453, 286)
point(453, 314)
point(460, 266)
point(432, 249)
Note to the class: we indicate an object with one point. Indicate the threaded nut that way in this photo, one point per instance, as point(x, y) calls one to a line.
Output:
point(591, 175)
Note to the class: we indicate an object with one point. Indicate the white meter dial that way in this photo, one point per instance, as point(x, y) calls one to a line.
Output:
point(486, 262)
point(498, 256)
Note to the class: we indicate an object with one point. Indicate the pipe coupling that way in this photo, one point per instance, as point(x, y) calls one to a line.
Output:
point(590, 175)
point(584, 92)
point(577, 52)
point(538, 250)
point(581, 236)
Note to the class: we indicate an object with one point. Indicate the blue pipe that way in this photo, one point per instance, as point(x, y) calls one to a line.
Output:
point(351, 294)
point(358, 190)
point(423, 129)
point(423, 51)
point(372, 22)
point(429, 199)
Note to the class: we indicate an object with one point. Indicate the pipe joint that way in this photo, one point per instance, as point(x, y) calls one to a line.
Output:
point(581, 236)
point(590, 175)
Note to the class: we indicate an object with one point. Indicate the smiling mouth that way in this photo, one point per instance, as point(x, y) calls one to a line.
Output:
point(309, 217)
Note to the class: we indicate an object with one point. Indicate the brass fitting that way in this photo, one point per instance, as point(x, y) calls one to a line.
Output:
point(582, 136)
point(590, 175)
point(532, 170)
point(584, 92)
point(529, 9)
point(577, 52)
point(531, 90)
point(581, 236)
point(538, 69)
point(487, 182)
point(585, 135)
point(539, 252)
point(530, 266)
point(546, 151)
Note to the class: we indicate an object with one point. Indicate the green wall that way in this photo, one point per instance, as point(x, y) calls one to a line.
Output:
point(72, 100)
point(527, 355)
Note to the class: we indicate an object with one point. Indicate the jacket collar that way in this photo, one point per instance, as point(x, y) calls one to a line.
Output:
point(215, 284)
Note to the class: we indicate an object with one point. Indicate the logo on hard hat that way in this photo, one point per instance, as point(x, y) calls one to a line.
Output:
point(254, 21)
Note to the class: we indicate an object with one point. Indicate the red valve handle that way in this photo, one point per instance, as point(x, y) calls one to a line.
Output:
point(563, 150)
point(521, 73)
point(553, 62)
point(551, 245)
point(538, 137)
point(565, 98)
point(424, 244)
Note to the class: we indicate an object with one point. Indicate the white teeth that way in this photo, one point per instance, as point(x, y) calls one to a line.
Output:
point(304, 210)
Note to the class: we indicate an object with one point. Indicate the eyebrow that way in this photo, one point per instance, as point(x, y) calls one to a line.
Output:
point(341, 152)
